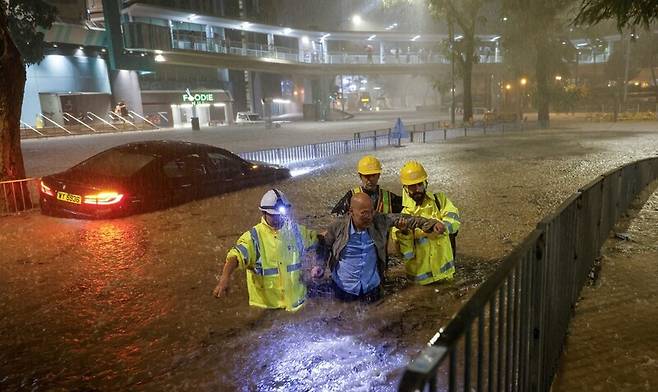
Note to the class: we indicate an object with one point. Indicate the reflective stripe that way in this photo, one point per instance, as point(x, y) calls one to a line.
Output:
point(447, 266)
point(454, 216)
point(243, 251)
point(294, 267)
point(423, 240)
point(385, 202)
point(299, 242)
point(267, 271)
point(255, 240)
point(299, 302)
point(408, 255)
point(424, 276)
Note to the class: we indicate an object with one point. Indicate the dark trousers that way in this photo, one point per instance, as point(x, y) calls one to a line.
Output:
point(371, 296)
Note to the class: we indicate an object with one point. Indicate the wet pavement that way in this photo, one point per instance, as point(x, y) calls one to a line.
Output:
point(126, 304)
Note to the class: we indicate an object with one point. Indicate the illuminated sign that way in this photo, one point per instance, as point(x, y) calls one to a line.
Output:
point(196, 98)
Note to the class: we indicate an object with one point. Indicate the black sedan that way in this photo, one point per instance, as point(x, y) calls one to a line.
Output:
point(150, 175)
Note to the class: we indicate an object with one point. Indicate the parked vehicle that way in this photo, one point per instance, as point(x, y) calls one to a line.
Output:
point(150, 175)
point(248, 118)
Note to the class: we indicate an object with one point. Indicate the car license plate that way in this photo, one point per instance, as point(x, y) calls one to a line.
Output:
point(68, 197)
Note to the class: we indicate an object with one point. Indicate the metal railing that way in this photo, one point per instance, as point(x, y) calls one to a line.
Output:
point(294, 154)
point(437, 130)
point(18, 195)
point(510, 333)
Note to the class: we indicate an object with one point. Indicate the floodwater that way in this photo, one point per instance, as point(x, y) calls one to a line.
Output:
point(126, 304)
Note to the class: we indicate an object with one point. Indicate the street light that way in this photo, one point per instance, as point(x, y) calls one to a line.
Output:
point(558, 77)
point(523, 82)
point(356, 19)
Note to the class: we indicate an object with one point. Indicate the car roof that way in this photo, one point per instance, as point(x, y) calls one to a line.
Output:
point(166, 148)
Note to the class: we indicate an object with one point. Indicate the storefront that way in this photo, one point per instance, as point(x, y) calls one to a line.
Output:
point(176, 108)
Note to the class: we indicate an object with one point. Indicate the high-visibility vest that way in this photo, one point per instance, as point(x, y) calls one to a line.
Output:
point(429, 256)
point(273, 260)
point(383, 200)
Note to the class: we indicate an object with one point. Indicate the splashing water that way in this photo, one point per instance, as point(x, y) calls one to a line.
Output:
point(309, 357)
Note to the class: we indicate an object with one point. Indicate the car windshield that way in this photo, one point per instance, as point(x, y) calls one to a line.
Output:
point(115, 163)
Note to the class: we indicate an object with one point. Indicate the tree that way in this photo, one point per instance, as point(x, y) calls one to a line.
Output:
point(535, 35)
point(21, 44)
point(628, 13)
point(466, 14)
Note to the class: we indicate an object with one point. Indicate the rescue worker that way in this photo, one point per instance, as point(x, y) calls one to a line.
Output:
point(428, 257)
point(272, 252)
point(383, 201)
point(357, 244)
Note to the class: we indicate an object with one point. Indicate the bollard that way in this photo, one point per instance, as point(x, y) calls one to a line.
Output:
point(464, 131)
point(411, 137)
point(424, 136)
point(445, 134)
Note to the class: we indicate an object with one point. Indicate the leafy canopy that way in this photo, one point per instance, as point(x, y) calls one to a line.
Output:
point(628, 13)
point(26, 20)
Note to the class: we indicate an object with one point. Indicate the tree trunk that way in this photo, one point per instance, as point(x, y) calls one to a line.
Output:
point(11, 101)
point(655, 86)
point(467, 79)
point(543, 88)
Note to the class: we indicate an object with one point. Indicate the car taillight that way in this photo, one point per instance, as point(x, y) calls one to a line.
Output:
point(103, 198)
point(46, 189)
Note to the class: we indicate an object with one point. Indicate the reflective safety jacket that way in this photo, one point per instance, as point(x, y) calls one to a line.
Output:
point(273, 260)
point(383, 200)
point(429, 257)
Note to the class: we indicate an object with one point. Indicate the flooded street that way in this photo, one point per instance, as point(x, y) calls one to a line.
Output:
point(126, 304)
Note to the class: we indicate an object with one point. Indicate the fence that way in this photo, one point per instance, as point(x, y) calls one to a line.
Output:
point(18, 195)
point(510, 333)
point(436, 130)
point(294, 154)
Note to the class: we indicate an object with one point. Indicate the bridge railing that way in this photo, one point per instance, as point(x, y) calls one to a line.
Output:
point(509, 335)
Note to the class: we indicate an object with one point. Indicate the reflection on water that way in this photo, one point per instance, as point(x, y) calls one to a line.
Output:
point(313, 357)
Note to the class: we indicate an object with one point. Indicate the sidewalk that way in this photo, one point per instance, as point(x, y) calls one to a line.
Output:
point(613, 341)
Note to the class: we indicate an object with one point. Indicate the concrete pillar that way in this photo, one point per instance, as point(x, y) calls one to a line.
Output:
point(381, 52)
point(125, 87)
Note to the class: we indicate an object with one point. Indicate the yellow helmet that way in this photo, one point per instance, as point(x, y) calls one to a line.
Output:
point(369, 165)
point(412, 173)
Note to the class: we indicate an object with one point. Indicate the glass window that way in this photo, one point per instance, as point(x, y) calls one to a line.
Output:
point(115, 163)
point(174, 168)
point(223, 163)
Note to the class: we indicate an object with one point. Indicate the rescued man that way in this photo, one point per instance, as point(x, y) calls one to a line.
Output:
point(357, 244)
point(428, 257)
point(272, 252)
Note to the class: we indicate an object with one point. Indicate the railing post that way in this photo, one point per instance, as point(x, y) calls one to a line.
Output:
point(411, 137)
point(424, 133)
point(445, 134)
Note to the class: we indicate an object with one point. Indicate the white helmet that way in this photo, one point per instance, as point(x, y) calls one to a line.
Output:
point(274, 202)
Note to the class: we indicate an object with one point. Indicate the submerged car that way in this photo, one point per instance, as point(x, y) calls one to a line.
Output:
point(147, 176)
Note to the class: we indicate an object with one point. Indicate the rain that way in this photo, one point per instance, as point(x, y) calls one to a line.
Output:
point(507, 119)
